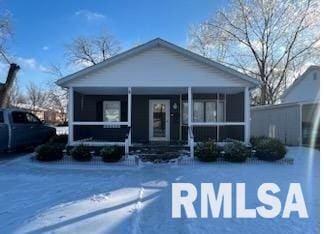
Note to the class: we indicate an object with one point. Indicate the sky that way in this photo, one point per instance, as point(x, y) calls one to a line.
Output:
point(43, 27)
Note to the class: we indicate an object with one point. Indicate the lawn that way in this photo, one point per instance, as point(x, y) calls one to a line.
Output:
point(37, 199)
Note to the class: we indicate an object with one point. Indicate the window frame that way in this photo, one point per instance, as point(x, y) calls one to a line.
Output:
point(103, 113)
point(204, 101)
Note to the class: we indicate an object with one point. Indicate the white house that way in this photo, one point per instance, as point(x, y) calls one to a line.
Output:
point(158, 92)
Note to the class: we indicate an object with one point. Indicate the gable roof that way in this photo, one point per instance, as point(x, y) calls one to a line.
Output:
point(154, 43)
point(298, 80)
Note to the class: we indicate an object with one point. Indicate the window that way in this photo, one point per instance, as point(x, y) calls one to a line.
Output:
point(19, 117)
point(185, 112)
point(111, 112)
point(211, 111)
point(198, 112)
point(32, 119)
point(220, 111)
point(205, 111)
point(1, 117)
point(24, 118)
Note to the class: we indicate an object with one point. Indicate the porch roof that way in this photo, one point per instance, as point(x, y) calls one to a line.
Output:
point(155, 90)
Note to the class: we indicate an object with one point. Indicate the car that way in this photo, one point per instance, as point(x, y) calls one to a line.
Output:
point(21, 129)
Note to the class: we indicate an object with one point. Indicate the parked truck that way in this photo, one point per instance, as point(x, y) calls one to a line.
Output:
point(20, 128)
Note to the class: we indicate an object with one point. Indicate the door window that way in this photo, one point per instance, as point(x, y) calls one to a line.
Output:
point(159, 120)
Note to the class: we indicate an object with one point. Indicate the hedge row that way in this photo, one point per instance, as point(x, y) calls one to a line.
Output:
point(267, 149)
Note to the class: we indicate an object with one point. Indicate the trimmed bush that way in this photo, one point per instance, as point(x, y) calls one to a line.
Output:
point(236, 151)
point(207, 151)
point(49, 152)
point(59, 139)
point(81, 153)
point(270, 149)
point(255, 140)
point(112, 154)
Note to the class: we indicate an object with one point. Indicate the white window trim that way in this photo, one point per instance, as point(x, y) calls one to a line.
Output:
point(204, 101)
point(103, 113)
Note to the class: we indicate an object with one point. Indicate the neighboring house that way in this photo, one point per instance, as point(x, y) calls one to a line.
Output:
point(157, 92)
point(46, 115)
point(296, 120)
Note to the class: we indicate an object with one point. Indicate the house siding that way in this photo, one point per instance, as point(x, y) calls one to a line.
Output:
point(278, 121)
point(158, 67)
point(89, 108)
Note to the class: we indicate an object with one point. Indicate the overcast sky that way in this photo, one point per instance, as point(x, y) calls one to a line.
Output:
point(42, 27)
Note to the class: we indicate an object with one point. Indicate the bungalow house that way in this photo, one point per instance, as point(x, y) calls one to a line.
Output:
point(157, 93)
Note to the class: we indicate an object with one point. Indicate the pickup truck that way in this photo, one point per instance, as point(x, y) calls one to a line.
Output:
point(20, 128)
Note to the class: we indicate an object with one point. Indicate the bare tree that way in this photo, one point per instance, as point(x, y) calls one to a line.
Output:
point(15, 96)
point(87, 51)
point(5, 34)
point(36, 97)
point(266, 39)
point(57, 96)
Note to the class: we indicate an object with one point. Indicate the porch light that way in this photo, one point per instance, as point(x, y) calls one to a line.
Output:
point(175, 106)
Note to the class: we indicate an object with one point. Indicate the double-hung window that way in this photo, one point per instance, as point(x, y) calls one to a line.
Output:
point(111, 112)
point(204, 111)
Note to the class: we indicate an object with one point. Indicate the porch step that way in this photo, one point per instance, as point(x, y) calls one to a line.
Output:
point(159, 153)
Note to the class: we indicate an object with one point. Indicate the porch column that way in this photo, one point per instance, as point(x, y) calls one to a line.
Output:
point(71, 114)
point(129, 114)
point(189, 112)
point(247, 118)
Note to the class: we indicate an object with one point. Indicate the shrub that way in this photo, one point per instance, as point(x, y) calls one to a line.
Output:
point(207, 151)
point(49, 152)
point(270, 149)
point(59, 139)
point(111, 154)
point(255, 140)
point(236, 151)
point(81, 153)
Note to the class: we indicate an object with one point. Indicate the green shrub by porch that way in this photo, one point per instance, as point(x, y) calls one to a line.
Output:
point(112, 154)
point(255, 140)
point(207, 151)
point(270, 149)
point(81, 153)
point(59, 139)
point(49, 152)
point(236, 151)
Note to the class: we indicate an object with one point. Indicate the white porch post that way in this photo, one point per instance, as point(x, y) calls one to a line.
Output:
point(247, 118)
point(71, 114)
point(129, 114)
point(189, 112)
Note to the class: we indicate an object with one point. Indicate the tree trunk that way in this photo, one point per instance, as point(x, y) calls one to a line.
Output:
point(263, 94)
point(5, 89)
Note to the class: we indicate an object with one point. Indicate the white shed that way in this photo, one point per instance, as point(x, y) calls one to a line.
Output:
point(296, 120)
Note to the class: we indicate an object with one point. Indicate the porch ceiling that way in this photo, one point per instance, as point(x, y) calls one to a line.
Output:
point(155, 90)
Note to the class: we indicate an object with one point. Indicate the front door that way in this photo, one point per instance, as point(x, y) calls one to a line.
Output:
point(159, 126)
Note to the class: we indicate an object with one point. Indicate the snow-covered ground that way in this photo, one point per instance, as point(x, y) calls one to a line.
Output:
point(38, 199)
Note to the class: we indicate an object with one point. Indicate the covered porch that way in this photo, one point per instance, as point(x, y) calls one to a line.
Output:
point(133, 116)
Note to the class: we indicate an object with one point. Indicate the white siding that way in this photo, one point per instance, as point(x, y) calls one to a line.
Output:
point(307, 90)
point(158, 67)
point(281, 122)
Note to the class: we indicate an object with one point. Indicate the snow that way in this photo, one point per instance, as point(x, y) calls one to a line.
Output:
point(37, 197)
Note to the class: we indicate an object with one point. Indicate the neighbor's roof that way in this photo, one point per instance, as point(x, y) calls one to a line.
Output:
point(298, 80)
point(149, 45)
